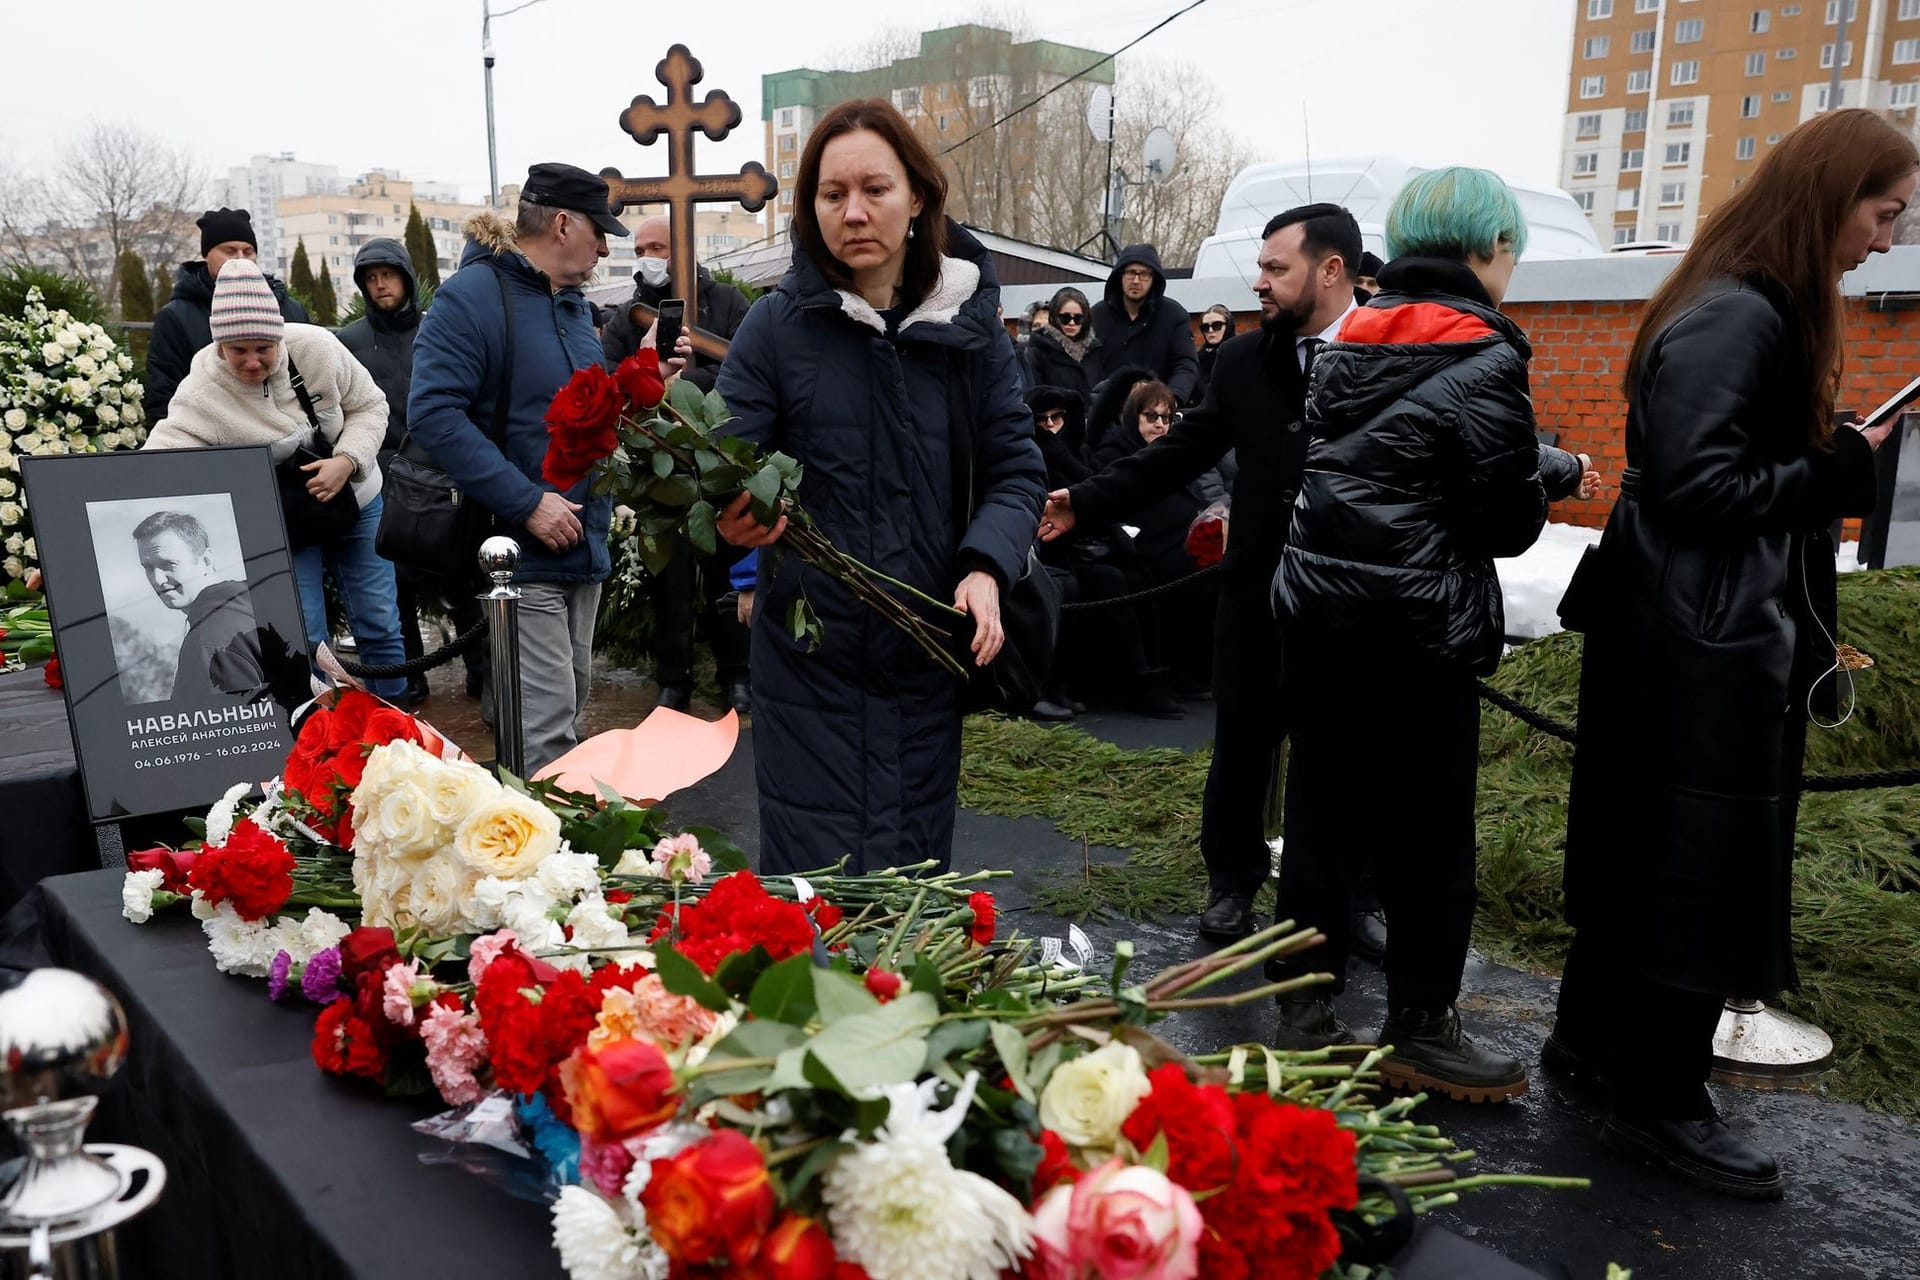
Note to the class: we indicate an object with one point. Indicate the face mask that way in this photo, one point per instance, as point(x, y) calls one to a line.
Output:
point(653, 272)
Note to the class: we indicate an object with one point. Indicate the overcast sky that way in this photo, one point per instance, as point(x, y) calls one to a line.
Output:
point(397, 83)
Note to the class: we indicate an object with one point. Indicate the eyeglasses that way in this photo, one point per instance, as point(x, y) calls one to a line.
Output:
point(1157, 415)
point(1212, 326)
point(1136, 273)
point(1052, 418)
point(1069, 317)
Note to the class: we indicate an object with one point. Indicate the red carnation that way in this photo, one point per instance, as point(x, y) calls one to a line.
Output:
point(981, 930)
point(638, 378)
point(252, 870)
point(824, 913)
point(344, 1045)
point(580, 426)
point(1207, 542)
point(1198, 1121)
point(1299, 1157)
point(52, 670)
point(736, 914)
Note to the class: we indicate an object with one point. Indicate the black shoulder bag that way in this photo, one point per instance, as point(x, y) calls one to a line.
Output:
point(1029, 606)
point(426, 523)
point(308, 519)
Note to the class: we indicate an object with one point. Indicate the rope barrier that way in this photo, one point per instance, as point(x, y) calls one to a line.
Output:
point(425, 662)
point(1113, 602)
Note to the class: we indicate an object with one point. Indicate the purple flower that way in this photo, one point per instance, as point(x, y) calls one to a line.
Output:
point(277, 976)
point(321, 982)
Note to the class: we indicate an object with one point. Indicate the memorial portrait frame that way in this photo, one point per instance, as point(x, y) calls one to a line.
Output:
point(183, 662)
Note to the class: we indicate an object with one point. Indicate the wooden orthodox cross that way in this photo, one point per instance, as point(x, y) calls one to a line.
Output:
point(716, 116)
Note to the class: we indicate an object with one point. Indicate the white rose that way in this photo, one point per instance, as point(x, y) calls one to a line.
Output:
point(69, 339)
point(405, 821)
point(8, 462)
point(14, 568)
point(111, 394)
point(53, 353)
point(438, 891)
point(455, 788)
point(566, 876)
point(55, 447)
point(6, 442)
point(15, 544)
point(16, 419)
point(596, 926)
point(1088, 1098)
point(33, 552)
point(76, 391)
point(508, 835)
point(108, 415)
point(47, 430)
point(11, 514)
point(35, 381)
point(86, 365)
point(7, 487)
point(136, 894)
point(125, 362)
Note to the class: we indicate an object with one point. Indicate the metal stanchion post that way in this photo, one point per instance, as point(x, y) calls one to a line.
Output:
point(499, 557)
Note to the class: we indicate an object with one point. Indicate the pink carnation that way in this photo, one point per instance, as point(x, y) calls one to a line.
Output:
point(456, 1048)
point(484, 950)
point(681, 858)
point(397, 992)
point(605, 1165)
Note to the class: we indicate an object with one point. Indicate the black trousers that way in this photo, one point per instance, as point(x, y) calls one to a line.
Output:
point(1654, 1041)
point(1249, 730)
point(1385, 752)
point(463, 610)
point(684, 602)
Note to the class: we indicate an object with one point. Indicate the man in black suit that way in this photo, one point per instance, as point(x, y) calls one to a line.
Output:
point(1255, 406)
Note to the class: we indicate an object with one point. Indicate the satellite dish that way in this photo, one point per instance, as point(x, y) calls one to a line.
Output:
point(1157, 160)
point(1100, 113)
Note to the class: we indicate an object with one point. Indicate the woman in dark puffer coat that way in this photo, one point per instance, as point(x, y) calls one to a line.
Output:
point(1056, 353)
point(1423, 466)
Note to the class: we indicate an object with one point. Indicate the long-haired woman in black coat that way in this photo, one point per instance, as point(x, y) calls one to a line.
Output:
point(1710, 622)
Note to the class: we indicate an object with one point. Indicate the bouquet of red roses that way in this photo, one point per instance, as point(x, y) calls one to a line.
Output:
point(1207, 537)
point(660, 455)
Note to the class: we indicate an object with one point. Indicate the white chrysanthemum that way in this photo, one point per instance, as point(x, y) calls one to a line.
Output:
point(594, 926)
point(243, 947)
point(136, 894)
point(598, 1240)
point(566, 875)
point(899, 1208)
point(220, 817)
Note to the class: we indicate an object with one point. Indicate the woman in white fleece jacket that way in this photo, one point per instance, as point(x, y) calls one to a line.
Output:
point(238, 392)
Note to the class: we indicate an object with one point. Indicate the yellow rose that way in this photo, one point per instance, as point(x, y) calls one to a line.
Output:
point(1088, 1098)
point(507, 835)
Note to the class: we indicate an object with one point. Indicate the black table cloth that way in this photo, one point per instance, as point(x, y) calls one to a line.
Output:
point(43, 813)
point(273, 1168)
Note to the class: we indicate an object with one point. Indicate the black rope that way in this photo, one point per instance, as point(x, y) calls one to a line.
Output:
point(1870, 781)
point(425, 662)
point(1150, 592)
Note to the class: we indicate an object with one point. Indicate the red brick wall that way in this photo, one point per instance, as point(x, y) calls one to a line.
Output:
point(1579, 358)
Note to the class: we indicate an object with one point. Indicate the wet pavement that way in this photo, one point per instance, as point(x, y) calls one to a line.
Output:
point(1854, 1175)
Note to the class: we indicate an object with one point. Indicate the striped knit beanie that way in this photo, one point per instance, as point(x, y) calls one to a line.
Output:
point(244, 308)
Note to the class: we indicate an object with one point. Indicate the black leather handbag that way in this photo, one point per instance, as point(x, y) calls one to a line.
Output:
point(427, 524)
point(310, 521)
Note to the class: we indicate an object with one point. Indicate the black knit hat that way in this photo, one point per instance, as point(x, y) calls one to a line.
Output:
point(218, 226)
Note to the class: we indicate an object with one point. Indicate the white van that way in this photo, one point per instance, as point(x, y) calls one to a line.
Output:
point(1367, 185)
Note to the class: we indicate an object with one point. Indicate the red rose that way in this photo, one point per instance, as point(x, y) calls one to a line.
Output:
point(797, 1249)
point(174, 865)
point(884, 986)
point(309, 752)
point(1056, 1165)
point(347, 724)
point(252, 870)
point(1207, 542)
point(639, 379)
point(619, 1091)
point(52, 670)
point(580, 426)
point(712, 1202)
point(344, 1045)
point(1198, 1121)
point(367, 950)
point(388, 725)
point(981, 930)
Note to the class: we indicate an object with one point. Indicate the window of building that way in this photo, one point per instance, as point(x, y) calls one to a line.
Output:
point(1783, 95)
point(1761, 20)
point(1634, 122)
point(1597, 9)
point(1789, 10)
point(1586, 164)
point(1587, 126)
point(1905, 95)
point(1909, 10)
point(1833, 11)
point(1687, 72)
point(1673, 193)
point(1668, 231)
point(333, 239)
point(1680, 114)
point(1786, 55)
point(980, 90)
point(1639, 81)
point(1846, 55)
point(1643, 41)
point(907, 99)
point(1646, 6)
point(786, 117)
point(942, 122)
point(1756, 64)
point(1623, 235)
point(1679, 152)
point(1593, 86)
point(786, 168)
point(1632, 159)
point(1627, 200)
point(1905, 51)
point(1689, 30)
point(333, 219)
point(1743, 149)
point(789, 143)
point(1595, 46)
point(1584, 199)
point(1820, 98)
point(1750, 106)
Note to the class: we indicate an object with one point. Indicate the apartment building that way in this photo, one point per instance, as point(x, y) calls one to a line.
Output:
point(959, 81)
point(334, 225)
point(1671, 103)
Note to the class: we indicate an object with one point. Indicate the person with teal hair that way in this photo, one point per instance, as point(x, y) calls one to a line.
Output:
point(1422, 467)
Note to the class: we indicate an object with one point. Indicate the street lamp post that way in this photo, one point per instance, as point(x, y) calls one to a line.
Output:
point(486, 59)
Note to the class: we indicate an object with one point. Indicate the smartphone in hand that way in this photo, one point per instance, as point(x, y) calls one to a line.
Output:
point(673, 316)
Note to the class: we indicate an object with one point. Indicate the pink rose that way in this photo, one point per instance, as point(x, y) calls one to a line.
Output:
point(1119, 1222)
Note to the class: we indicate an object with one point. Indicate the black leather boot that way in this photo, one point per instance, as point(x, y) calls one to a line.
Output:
point(1432, 1054)
point(1228, 916)
point(1703, 1151)
point(1309, 1022)
point(1577, 1068)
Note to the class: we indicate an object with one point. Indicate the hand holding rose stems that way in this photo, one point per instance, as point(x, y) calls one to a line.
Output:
point(658, 455)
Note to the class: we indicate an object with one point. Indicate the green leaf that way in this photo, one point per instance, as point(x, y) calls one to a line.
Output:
point(953, 1039)
point(723, 480)
point(656, 553)
point(749, 1040)
point(737, 974)
point(663, 464)
point(812, 1165)
point(690, 400)
point(790, 1071)
point(784, 993)
point(1017, 1155)
point(675, 491)
point(715, 409)
point(1012, 1048)
point(888, 1046)
point(798, 619)
point(1040, 1068)
point(682, 977)
point(764, 485)
point(700, 528)
point(727, 856)
point(737, 448)
point(840, 995)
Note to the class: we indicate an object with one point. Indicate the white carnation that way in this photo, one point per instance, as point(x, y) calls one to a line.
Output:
point(243, 947)
point(220, 817)
point(636, 862)
point(136, 894)
point(595, 926)
point(528, 914)
point(487, 901)
point(566, 875)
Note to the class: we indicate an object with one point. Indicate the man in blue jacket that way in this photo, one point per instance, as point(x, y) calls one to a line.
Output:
point(505, 333)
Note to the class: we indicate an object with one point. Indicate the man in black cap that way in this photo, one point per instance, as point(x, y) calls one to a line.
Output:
point(182, 327)
point(506, 331)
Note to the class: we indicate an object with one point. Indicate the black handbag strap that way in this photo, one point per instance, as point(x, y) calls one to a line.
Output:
point(503, 401)
point(302, 394)
point(961, 443)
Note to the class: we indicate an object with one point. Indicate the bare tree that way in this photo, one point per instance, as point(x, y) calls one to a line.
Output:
point(117, 188)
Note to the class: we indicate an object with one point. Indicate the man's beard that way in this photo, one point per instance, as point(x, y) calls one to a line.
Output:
point(1288, 321)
